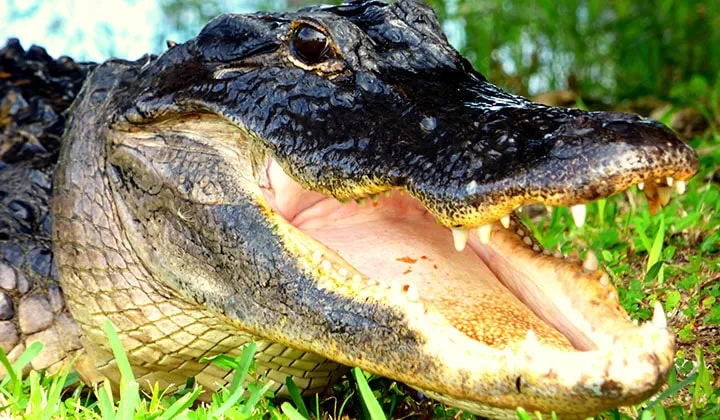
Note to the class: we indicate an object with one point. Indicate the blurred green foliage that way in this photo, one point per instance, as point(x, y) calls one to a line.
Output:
point(610, 50)
point(603, 50)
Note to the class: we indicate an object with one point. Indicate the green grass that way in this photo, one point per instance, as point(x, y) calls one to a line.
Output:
point(671, 257)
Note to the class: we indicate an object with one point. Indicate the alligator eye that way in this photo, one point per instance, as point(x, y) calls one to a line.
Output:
point(309, 44)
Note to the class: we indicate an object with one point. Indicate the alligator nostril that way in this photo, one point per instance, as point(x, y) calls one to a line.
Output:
point(619, 126)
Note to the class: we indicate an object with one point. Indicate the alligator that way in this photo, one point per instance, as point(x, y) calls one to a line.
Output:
point(337, 185)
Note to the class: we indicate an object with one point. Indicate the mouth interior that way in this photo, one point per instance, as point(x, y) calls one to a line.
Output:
point(501, 293)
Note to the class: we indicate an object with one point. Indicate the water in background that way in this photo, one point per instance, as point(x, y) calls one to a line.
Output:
point(97, 30)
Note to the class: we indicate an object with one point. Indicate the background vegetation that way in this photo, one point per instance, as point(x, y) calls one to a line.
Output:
point(660, 58)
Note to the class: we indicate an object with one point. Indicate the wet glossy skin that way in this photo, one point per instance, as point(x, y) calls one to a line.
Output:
point(470, 151)
point(162, 222)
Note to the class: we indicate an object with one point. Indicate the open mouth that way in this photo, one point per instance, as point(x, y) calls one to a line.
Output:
point(496, 284)
point(478, 317)
point(556, 320)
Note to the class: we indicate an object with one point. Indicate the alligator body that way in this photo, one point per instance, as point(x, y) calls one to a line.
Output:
point(335, 184)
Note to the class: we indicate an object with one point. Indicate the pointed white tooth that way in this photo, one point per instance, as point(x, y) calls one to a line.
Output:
point(548, 208)
point(484, 232)
point(412, 293)
point(604, 279)
point(680, 187)
point(641, 186)
point(531, 340)
point(460, 237)
point(659, 320)
point(316, 257)
point(505, 220)
point(591, 262)
point(663, 195)
point(669, 181)
point(578, 212)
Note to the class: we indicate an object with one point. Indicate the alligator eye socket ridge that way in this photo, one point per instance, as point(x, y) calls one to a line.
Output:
point(309, 44)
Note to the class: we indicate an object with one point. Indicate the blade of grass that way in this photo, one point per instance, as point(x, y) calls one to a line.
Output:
point(672, 390)
point(369, 400)
point(105, 401)
point(236, 387)
point(129, 400)
point(182, 404)
point(119, 352)
point(36, 398)
point(291, 412)
point(656, 251)
point(11, 375)
point(55, 393)
point(296, 397)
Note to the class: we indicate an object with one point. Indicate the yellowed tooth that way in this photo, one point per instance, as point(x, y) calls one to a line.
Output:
point(591, 262)
point(663, 195)
point(641, 186)
point(669, 181)
point(680, 186)
point(578, 211)
point(659, 320)
point(548, 208)
point(484, 232)
point(460, 237)
point(505, 220)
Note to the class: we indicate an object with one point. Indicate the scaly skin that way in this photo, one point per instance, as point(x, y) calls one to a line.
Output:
point(165, 222)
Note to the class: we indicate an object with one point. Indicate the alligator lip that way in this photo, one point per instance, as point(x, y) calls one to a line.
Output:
point(508, 295)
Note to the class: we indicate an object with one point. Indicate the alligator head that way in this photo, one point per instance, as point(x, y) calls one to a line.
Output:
point(341, 181)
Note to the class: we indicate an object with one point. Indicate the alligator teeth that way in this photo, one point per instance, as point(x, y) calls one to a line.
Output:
point(591, 262)
point(663, 195)
point(460, 237)
point(578, 211)
point(680, 187)
point(641, 186)
point(412, 293)
point(316, 257)
point(659, 320)
point(505, 220)
point(669, 181)
point(531, 340)
point(604, 279)
point(548, 208)
point(484, 232)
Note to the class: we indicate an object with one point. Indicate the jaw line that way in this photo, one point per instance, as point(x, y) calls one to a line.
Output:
point(626, 364)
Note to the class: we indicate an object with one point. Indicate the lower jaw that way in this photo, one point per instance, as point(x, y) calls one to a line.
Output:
point(549, 324)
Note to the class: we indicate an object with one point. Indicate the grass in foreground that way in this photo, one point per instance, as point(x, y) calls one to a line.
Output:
point(672, 257)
